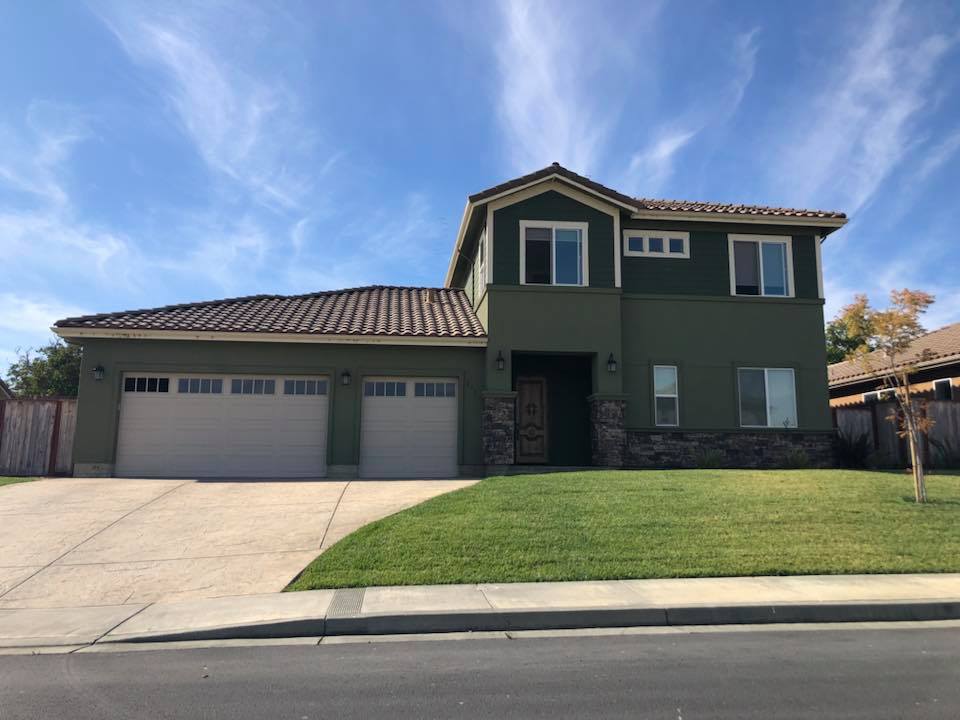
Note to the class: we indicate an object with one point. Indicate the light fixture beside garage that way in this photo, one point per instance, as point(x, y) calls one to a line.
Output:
point(611, 364)
point(345, 377)
point(500, 361)
point(98, 373)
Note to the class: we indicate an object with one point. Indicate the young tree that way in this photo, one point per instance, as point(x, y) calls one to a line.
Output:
point(890, 334)
point(849, 331)
point(54, 371)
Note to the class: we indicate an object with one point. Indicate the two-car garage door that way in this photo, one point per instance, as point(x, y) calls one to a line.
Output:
point(181, 425)
point(189, 425)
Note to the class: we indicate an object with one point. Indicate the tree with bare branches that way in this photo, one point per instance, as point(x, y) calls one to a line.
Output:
point(886, 352)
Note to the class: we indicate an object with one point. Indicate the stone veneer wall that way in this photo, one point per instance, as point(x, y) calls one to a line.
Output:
point(681, 449)
point(498, 425)
point(607, 433)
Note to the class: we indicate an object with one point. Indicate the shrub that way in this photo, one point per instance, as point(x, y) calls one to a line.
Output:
point(796, 458)
point(854, 451)
point(708, 459)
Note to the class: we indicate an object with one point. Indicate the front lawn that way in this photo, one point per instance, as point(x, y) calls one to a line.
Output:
point(11, 480)
point(651, 524)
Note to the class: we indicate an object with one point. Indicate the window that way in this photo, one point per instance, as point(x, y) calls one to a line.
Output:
point(481, 278)
point(304, 387)
point(879, 396)
point(252, 386)
point(385, 388)
point(204, 386)
point(553, 253)
point(656, 244)
point(761, 265)
point(666, 402)
point(435, 389)
point(942, 389)
point(146, 384)
point(767, 397)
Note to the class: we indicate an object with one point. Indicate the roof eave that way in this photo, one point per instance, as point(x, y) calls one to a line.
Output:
point(732, 218)
point(928, 365)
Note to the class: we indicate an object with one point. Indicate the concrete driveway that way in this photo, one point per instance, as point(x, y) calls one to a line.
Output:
point(81, 542)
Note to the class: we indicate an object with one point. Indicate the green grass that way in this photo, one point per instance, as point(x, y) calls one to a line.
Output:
point(11, 480)
point(652, 524)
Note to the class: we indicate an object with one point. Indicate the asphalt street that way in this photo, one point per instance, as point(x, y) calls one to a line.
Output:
point(842, 673)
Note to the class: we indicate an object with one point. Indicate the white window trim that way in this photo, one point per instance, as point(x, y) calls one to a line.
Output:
point(766, 391)
point(555, 225)
point(944, 381)
point(675, 396)
point(760, 239)
point(885, 395)
point(481, 274)
point(667, 236)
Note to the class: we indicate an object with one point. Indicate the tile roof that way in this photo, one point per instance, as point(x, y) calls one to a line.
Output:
point(641, 204)
point(5, 392)
point(375, 310)
point(935, 348)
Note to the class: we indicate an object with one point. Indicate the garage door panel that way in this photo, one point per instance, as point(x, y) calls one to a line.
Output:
point(226, 434)
point(405, 435)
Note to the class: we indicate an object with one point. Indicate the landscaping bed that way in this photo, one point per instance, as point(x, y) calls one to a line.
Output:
point(654, 524)
point(5, 480)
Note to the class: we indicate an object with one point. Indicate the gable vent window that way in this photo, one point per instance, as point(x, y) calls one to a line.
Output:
point(203, 386)
point(432, 389)
point(553, 253)
point(304, 387)
point(384, 388)
point(146, 384)
point(253, 386)
point(761, 265)
point(943, 389)
point(656, 244)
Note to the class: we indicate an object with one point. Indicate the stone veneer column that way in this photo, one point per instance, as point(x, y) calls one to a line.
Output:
point(607, 430)
point(498, 428)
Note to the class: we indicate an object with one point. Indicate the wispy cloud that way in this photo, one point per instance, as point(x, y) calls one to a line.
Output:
point(27, 315)
point(864, 123)
point(246, 126)
point(551, 100)
point(653, 166)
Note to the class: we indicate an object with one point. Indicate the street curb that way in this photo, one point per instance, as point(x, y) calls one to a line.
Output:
point(560, 619)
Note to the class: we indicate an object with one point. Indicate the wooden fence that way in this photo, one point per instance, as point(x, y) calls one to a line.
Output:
point(891, 450)
point(36, 436)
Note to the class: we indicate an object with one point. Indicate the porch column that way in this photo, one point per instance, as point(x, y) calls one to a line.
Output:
point(498, 428)
point(607, 430)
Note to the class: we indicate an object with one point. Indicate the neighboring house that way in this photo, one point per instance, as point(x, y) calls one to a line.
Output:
point(5, 392)
point(937, 377)
point(577, 326)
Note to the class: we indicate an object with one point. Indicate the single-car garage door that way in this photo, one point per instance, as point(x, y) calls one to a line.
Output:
point(409, 427)
point(187, 425)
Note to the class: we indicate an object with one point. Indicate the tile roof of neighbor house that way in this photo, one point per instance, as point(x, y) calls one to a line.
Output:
point(640, 204)
point(935, 348)
point(5, 392)
point(375, 310)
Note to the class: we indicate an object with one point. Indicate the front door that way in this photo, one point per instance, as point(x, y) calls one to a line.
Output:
point(531, 420)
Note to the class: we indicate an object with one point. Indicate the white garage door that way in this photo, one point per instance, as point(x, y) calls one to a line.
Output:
point(409, 428)
point(182, 425)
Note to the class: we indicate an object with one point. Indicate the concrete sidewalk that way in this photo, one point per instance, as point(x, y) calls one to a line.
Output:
point(488, 607)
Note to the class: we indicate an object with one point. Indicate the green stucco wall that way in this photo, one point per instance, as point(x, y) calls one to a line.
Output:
point(707, 339)
point(99, 402)
point(552, 205)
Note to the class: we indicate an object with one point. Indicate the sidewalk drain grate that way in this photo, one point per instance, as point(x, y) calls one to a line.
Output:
point(346, 602)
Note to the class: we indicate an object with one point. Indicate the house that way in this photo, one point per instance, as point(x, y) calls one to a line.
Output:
point(577, 326)
point(5, 392)
point(937, 377)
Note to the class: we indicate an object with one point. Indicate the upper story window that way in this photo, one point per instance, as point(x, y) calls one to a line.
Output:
point(761, 265)
point(943, 389)
point(553, 253)
point(656, 244)
point(481, 279)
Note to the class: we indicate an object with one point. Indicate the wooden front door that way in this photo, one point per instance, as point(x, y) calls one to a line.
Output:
point(531, 420)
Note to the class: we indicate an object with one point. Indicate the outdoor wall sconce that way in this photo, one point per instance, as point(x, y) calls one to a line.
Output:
point(611, 364)
point(345, 377)
point(98, 373)
point(500, 361)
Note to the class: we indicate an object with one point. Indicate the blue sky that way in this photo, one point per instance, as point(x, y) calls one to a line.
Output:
point(154, 154)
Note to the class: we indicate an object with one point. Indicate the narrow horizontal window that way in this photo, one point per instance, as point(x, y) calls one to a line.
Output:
point(146, 384)
point(656, 244)
point(205, 386)
point(253, 386)
point(435, 389)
